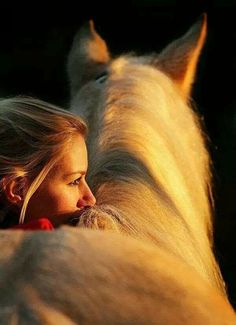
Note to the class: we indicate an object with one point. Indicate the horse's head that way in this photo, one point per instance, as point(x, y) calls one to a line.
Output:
point(131, 94)
point(90, 65)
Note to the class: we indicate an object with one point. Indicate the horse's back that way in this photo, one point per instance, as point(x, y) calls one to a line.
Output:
point(101, 277)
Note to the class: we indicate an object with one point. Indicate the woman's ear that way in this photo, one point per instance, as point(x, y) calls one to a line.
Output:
point(15, 190)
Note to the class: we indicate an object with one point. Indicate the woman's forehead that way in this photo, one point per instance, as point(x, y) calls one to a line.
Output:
point(74, 159)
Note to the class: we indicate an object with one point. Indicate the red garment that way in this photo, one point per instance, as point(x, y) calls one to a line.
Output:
point(38, 224)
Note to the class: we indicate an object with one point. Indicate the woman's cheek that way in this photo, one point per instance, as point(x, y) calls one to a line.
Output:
point(68, 199)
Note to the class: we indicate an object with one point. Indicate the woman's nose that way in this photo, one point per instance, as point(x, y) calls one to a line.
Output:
point(87, 198)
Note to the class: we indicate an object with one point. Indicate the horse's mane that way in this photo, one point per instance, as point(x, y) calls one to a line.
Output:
point(148, 159)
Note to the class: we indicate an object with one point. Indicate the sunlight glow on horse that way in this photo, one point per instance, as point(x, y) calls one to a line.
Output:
point(149, 257)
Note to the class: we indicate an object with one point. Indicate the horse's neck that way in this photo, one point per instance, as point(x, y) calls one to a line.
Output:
point(149, 160)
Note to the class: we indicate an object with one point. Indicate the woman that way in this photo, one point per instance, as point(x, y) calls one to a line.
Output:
point(43, 164)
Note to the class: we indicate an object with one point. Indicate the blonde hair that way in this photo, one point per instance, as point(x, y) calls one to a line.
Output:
point(33, 137)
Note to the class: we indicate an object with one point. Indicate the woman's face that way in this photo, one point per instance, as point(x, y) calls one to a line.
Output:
point(64, 191)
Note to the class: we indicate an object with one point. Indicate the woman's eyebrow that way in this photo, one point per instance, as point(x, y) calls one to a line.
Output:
point(82, 172)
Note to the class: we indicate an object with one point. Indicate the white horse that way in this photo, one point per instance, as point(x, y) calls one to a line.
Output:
point(149, 166)
point(150, 171)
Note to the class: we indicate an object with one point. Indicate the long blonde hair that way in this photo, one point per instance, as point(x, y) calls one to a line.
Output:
point(33, 136)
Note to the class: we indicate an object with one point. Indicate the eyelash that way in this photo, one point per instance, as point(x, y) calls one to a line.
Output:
point(76, 181)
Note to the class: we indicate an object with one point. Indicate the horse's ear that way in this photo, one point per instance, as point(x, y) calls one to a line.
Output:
point(92, 46)
point(88, 56)
point(179, 59)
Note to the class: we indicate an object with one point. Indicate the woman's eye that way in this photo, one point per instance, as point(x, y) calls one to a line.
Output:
point(76, 181)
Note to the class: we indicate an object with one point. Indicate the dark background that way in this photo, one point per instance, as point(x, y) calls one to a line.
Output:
point(35, 40)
